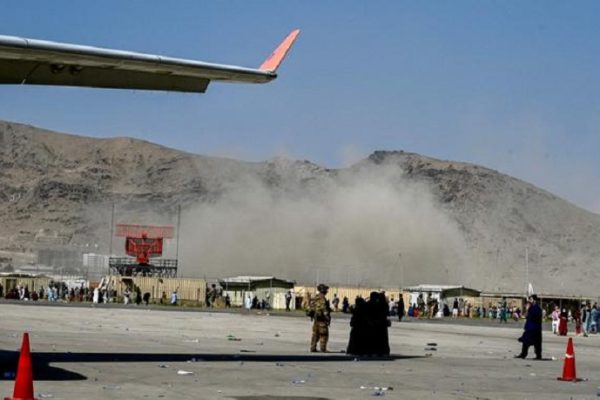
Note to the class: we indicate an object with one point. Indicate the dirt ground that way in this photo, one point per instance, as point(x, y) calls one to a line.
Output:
point(137, 353)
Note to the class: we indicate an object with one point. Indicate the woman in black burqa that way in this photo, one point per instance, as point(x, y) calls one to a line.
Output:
point(358, 328)
point(379, 323)
point(369, 327)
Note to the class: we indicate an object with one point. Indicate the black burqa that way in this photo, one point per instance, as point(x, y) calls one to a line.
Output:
point(377, 306)
point(358, 329)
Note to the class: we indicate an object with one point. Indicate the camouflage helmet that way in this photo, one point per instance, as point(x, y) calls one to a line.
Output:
point(322, 288)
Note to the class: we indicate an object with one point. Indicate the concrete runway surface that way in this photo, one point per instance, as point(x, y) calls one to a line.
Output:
point(138, 353)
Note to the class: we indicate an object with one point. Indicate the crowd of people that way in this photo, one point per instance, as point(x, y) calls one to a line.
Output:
point(585, 317)
point(59, 291)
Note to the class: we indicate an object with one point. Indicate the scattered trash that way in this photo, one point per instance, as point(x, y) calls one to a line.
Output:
point(378, 393)
point(247, 351)
point(430, 349)
point(191, 341)
point(111, 387)
point(163, 366)
point(182, 372)
point(45, 395)
point(432, 344)
point(233, 338)
point(377, 388)
point(278, 364)
point(298, 381)
point(554, 358)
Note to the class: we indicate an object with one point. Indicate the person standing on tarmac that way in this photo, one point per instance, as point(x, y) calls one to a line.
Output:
point(504, 311)
point(320, 313)
point(401, 310)
point(533, 330)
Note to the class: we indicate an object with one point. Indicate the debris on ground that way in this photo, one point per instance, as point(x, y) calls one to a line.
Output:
point(233, 338)
point(163, 366)
point(183, 372)
point(377, 388)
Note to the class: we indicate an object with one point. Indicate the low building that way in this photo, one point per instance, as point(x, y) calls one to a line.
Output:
point(489, 300)
point(441, 293)
point(10, 281)
point(268, 288)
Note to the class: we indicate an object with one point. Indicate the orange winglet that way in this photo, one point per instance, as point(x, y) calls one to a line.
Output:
point(275, 59)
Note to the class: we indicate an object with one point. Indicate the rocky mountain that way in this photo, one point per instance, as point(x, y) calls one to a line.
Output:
point(395, 218)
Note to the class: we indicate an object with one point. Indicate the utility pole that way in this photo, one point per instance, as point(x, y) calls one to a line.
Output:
point(401, 270)
point(112, 227)
point(178, 225)
point(527, 270)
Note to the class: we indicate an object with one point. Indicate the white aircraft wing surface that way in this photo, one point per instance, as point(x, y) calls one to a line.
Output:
point(39, 62)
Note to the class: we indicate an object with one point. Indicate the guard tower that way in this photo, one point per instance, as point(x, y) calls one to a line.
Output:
point(143, 245)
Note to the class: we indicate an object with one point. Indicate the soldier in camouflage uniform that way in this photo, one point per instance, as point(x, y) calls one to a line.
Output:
point(320, 314)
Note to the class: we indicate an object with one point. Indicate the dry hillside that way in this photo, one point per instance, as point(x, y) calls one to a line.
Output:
point(394, 218)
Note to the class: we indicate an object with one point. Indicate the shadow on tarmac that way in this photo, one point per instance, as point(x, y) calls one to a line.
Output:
point(43, 371)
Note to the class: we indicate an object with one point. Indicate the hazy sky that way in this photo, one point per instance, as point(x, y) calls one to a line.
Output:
point(510, 85)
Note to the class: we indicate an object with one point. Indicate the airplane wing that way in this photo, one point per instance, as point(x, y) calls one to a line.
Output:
point(40, 62)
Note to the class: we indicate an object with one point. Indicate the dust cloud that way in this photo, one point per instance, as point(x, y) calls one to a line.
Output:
point(360, 226)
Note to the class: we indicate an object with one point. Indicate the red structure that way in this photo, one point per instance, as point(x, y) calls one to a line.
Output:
point(144, 242)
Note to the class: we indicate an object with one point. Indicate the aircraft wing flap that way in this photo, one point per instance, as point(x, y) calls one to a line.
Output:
point(35, 73)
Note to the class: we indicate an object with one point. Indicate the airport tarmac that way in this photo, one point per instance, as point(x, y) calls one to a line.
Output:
point(137, 353)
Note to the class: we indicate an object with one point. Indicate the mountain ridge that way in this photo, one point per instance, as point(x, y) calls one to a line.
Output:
point(452, 222)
